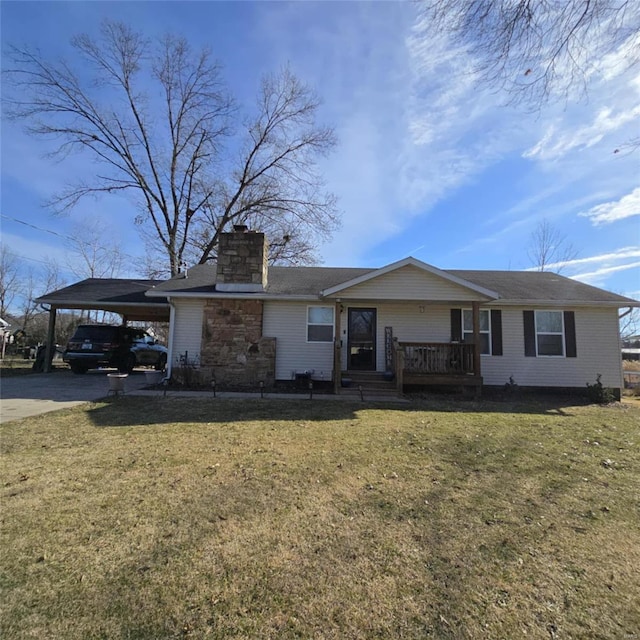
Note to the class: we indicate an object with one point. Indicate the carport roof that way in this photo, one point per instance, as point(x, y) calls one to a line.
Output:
point(117, 295)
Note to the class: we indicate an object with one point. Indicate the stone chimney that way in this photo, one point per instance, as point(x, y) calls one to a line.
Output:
point(242, 261)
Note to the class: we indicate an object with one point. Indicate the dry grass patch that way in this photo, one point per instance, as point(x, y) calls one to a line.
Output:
point(274, 519)
point(15, 366)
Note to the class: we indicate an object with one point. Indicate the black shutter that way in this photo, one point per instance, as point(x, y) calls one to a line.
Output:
point(456, 325)
point(496, 332)
point(570, 334)
point(529, 334)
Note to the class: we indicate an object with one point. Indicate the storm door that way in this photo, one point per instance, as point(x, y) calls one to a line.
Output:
point(362, 339)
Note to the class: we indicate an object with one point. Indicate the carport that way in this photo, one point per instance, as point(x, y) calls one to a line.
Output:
point(125, 297)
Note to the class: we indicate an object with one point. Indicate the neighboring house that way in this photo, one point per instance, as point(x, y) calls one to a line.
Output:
point(241, 322)
point(5, 334)
point(631, 348)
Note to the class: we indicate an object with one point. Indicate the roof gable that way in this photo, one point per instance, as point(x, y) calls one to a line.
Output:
point(411, 279)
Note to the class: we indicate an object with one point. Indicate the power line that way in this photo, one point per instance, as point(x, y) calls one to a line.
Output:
point(55, 233)
point(33, 226)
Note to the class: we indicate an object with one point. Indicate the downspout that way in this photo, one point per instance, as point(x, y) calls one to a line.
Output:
point(172, 324)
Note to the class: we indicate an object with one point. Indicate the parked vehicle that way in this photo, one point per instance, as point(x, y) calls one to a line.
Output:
point(98, 345)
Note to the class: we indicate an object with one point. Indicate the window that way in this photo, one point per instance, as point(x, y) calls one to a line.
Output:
point(319, 324)
point(549, 333)
point(485, 329)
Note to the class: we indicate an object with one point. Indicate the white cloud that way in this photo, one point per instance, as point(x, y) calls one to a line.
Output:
point(555, 143)
point(591, 276)
point(620, 254)
point(617, 62)
point(607, 212)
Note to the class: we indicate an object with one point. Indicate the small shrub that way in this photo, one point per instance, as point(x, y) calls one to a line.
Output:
point(598, 393)
point(511, 387)
point(185, 371)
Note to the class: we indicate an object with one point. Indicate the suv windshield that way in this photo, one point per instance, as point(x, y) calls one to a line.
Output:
point(95, 334)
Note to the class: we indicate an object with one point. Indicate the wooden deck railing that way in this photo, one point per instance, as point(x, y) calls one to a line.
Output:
point(443, 358)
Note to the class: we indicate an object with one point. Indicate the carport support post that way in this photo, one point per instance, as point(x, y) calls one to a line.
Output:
point(51, 337)
point(475, 311)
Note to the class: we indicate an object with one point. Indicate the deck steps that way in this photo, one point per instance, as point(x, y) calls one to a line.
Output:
point(368, 384)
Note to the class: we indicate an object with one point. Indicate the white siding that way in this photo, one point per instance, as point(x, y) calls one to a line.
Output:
point(409, 283)
point(597, 345)
point(598, 351)
point(287, 322)
point(187, 336)
point(597, 341)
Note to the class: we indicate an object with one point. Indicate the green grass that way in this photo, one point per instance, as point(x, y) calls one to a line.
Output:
point(275, 519)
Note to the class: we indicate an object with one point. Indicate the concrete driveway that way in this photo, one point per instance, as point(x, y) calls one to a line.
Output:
point(30, 395)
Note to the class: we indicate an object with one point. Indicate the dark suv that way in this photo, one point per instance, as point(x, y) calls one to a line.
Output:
point(99, 345)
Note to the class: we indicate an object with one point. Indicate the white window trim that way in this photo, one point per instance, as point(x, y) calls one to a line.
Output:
point(488, 332)
point(321, 324)
point(550, 333)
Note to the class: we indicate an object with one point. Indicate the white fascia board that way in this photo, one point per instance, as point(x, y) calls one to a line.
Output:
point(560, 303)
point(74, 304)
point(237, 296)
point(239, 287)
point(415, 263)
point(157, 293)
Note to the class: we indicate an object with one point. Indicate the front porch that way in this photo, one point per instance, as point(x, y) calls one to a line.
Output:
point(426, 364)
point(434, 363)
point(408, 362)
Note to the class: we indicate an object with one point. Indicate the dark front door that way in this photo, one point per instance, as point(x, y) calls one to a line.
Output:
point(362, 339)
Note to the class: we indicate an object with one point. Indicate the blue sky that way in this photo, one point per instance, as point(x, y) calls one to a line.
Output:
point(428, 163)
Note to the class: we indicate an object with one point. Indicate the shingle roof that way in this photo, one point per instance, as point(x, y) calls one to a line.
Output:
point(119, 295)
point(303, 281)
point(512, 286)
point(539, 285)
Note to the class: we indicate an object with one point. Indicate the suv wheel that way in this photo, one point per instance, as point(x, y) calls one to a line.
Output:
point(128, 363)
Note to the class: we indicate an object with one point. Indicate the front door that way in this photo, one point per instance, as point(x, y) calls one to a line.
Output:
point(362, 339)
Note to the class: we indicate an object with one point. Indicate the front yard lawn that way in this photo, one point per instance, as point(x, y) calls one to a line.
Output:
point(274, 519)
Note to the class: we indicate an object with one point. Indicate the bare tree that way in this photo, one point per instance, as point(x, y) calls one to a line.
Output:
point(34, 285)
point(93, 253)
point(29, 308)
point(9, 278)
point(630, 323)
point(536, 49)
point(191, 173)
point(273, 185)
point(52, 278)
point(548, 249)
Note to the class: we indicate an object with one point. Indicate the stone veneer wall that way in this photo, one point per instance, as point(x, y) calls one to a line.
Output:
point(233, 349)
point(242, 259)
